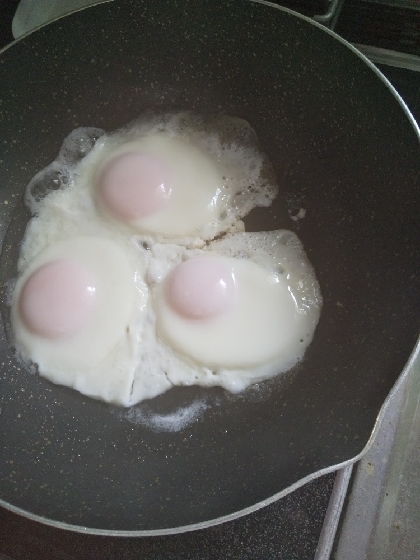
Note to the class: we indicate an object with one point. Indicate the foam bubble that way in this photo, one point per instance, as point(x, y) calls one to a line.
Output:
point(59, 173)
point(171, 422)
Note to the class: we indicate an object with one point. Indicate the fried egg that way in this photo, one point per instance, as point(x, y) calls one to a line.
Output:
point(76, 313)
point(123, 289)
point(240, 311)
point(176, 177)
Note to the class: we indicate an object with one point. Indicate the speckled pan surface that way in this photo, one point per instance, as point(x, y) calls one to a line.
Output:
point(343, 148)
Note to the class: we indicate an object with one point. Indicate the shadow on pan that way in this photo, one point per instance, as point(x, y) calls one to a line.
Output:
point(343, 148)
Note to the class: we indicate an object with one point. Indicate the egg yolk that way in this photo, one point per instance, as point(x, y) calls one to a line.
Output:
point(135, 185)
point(200, 288)
point(57, 299)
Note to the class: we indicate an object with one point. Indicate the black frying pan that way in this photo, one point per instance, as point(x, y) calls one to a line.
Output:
point(344, 147)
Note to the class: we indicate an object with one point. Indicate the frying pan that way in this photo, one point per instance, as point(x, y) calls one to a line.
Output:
point(344, 148)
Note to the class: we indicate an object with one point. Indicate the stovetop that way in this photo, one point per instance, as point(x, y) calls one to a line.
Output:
point(289, 529)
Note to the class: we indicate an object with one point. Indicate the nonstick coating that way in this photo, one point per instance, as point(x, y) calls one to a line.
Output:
point(343, 148)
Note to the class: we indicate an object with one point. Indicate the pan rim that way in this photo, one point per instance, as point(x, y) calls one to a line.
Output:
point(414, 356)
